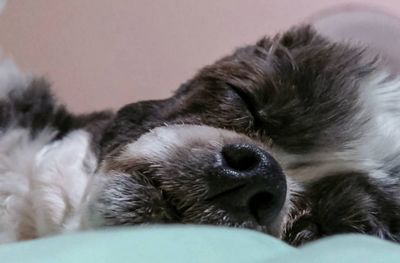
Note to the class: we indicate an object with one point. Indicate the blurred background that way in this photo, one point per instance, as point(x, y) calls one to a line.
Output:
point(104, 54)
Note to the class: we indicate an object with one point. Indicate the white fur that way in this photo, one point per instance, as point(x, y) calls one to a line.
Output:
point(379, 97)
point(42, 183)
point(383, 138)
point(160, 142)
point(63, 170)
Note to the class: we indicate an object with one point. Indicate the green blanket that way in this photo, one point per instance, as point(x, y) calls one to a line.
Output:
point(194, 244)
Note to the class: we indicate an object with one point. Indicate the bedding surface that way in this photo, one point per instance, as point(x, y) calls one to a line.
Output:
point(194, 244)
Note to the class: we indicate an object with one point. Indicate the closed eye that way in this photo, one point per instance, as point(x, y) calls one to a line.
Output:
point(249, 102)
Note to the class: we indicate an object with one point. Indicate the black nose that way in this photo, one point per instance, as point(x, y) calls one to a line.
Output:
point(248, 183)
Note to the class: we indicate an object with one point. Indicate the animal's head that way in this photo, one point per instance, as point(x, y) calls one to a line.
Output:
point(235, 145)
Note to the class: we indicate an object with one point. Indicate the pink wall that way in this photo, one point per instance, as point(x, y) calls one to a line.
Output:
point(102, 53)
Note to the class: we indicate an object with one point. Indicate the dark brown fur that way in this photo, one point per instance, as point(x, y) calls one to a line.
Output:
point(296, 92)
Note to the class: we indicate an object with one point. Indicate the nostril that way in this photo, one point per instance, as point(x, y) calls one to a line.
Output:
point(240, 157)
point(260, 206)
point(247, 182)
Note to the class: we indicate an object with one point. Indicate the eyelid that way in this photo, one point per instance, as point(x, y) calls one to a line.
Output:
point(249, 101)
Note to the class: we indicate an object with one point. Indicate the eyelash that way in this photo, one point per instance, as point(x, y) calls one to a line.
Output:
point(249, 102)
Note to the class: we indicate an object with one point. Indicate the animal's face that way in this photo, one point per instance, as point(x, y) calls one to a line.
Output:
point(195, 174)
point(235, 144)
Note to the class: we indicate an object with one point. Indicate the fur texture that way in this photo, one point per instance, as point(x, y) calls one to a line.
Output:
point(325, 111)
